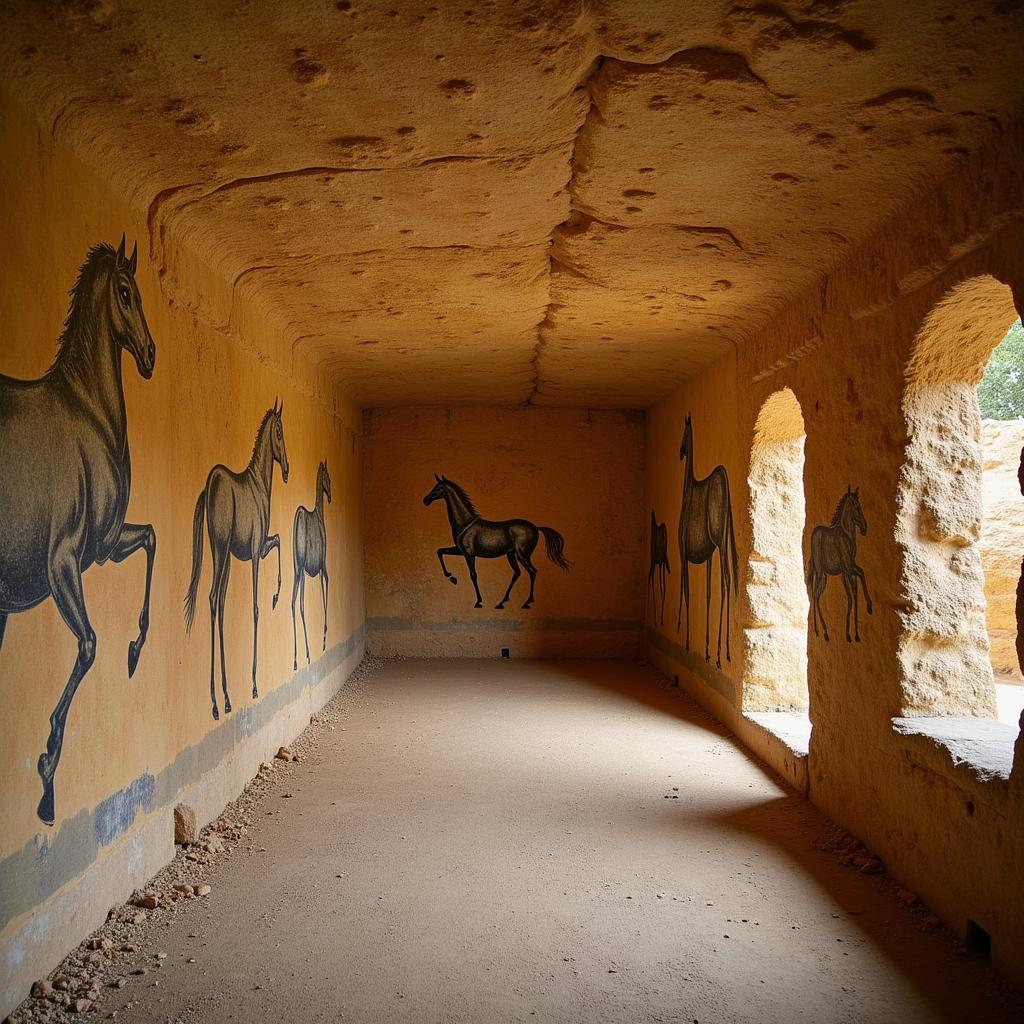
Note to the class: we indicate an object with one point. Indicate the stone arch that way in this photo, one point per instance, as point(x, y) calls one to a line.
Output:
point(944, 646)
point(776, 605)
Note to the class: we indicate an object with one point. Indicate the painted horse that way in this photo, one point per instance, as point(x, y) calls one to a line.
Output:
point(236, 507)
point(475, 537)
point(834, 553)
point(309, 556)
point(705, 525)
point(66, 472)
point(659, 564)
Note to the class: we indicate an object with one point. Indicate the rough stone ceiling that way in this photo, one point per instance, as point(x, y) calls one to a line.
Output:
point(564, 203)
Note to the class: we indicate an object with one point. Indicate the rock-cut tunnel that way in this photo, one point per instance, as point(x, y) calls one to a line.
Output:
point(512, 510)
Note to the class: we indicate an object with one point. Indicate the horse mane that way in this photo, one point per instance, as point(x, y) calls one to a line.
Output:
point(464, 496)
point(96, 259)
point(838, 514)
point(259, 434)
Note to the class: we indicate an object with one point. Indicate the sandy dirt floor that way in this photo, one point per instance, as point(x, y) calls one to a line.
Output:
point(482, 841)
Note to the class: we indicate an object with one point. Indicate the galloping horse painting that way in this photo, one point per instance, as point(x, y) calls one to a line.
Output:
point(834, 553)
point(65, 478)
point(236, 507)
point(309, 556)
point(659, 564)
point(475, 537)
point(705, 525)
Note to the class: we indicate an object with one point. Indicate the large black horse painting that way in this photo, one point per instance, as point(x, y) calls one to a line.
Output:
point(65, 478)
point(236, 508)
point(475, 537)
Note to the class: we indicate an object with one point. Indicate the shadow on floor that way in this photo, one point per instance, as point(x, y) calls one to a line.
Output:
point(797, 829)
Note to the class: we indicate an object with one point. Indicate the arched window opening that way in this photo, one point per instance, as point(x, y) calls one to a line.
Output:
point(776, 607)
point(944, 648)
point(1001, 401)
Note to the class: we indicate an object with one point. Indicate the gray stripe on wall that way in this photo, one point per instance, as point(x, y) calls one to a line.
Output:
point(47, 862)
point(506, 625)
point(694, 664)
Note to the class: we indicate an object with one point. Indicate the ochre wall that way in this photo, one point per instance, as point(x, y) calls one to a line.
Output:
point(133, 747)
point(577, 471)
point(948, 833)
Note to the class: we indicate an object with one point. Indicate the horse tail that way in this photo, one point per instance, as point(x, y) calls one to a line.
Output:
point(197, 559)
point(554, 543)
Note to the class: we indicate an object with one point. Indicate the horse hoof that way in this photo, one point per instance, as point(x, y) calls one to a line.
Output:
point(870, 611)
point(452, 580)
point(45, 810)
point(501, 605)
point(255, 693)
point(227, 706)
point(216, 713)
point(295, 666)
point(718, 663)
point(479, 604)
point(134, 650)
point(273, 604)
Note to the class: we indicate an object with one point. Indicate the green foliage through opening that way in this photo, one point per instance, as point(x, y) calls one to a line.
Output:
point(1001, 391)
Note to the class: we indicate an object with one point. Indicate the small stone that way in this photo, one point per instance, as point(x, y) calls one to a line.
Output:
point(203, 890)
point(42, 989)
point(185, 830)
point(931, 921)
point(147, 902)
point(872, 866)
point(185, 890)
point(120, 983)
point(283, 754)
point(80, 1005)
point(61, 983)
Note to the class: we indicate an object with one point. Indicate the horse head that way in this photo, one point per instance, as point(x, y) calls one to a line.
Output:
point(323, 479)
point(686, 447)
point(437, 491)
point(127, 319)
point(858, 513)
point(277, 447)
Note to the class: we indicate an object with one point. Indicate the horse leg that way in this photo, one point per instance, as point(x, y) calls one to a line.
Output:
point(66, 587)
point(256, 618)
point(215, 587)
point(849, 604)
point(819, 589)
point(3, 626)
point(471, 562)
point(860, 575)
point(299, 571)
point(683, 585)
point(302, 609)
point(532, 571)
point(707, 611)
point(324, 583)
point(651, 590)
point(727, 576)
point(664, 587)
point(222, 595)
point(441, 552)
point(813, 582)
point(721, 607)
point(273, 541)
point(129, 541)
point(514, 564)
